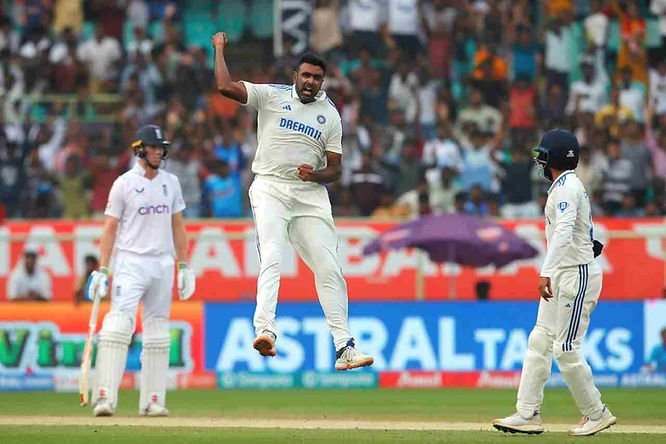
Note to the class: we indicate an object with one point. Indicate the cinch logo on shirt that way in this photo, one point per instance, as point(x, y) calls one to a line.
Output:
point(300, 128)
point(153, 209)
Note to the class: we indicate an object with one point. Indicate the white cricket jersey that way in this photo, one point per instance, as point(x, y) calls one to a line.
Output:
point(145, 208)
point(291, 133)
point(569, 226)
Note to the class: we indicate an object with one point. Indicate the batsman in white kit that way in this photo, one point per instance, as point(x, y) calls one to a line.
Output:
point(144, 221)
point(569, 285)
point(300, 149)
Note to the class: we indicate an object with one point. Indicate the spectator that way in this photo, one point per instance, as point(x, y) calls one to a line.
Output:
point(517, 185)
point(221, 192)
point(589, 172)
point(552, 106)
point(629, 209)
point(183, 163)
point(426, 94)
point(416, 201)
point(9, 38)
point(103, 174)
point(658, 8)
point(74, 186)
point(614, 114)
point(588, 94)
point(325, 35)
point(633, 149)
point(442, 190)
point(410, 170)
point(558, 40)
point(438, 20)
point(524, 55)
point(616, 178)
point(596, 25)
point(102, 55)
point(90, 264)
point(476, 204)
point(632, 94)
point(657, 146)
point(657, 360)
point(28, 282)
point(479, 167)
point(402, 91)
point(632, 54)
point(365, 19)
point(387, 208)
point(403, 25)
point(12, 176)
point(486, 118)
point(658, 87)
point(442, 151)
point(366, 186)
point(522, 101)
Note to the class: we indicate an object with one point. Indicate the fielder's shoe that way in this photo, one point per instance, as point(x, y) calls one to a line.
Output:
point(348, 358)
point(517, 424)
point(154, 410)
point(103, 408)
point(265, 344)
point(588, 426)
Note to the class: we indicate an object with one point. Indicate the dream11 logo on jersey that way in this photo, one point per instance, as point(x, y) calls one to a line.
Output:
point(153, 209)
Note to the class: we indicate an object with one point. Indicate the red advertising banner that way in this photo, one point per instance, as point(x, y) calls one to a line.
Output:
point(48, 338)
point(223, 253)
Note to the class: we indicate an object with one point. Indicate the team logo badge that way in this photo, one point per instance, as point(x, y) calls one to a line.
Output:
point(562, 206)
point(321, 119)
point(164, 190)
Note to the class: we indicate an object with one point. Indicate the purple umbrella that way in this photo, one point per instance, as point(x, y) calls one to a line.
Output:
point(462, 239)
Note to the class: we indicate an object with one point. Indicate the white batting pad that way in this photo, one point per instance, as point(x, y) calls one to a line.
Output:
point(114, 338)
point(154, 362)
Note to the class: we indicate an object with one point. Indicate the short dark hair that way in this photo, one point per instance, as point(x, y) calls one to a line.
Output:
point(312, 59)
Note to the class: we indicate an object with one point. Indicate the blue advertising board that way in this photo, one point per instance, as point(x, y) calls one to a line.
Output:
point(429, 336)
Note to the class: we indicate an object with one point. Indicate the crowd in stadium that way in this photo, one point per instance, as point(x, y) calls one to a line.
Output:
point(442, 101)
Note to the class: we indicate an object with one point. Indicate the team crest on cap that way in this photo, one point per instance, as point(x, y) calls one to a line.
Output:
point(570, 153)
point(321, 119)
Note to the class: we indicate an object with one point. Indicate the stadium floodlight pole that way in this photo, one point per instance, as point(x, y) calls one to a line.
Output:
point(86, 358)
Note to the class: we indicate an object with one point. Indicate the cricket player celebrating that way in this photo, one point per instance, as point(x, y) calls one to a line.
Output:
point(569, 285)
point(144, 221)
point(300, 149)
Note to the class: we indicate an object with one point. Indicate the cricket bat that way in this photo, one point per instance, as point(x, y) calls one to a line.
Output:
point(86, 358)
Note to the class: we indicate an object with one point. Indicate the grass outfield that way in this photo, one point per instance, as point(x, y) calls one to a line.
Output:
point(636, 407)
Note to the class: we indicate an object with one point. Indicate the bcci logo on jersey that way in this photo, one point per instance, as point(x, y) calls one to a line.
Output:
point(299, 128)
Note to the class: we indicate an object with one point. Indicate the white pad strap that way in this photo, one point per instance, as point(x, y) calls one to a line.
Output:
point(154, 362)
point(114, 338)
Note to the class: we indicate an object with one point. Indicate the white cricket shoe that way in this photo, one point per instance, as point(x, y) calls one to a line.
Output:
point(588, 426)
point(103, 408)
point(517, 424)
point(155, 410)
point(265, 344)
point(348, 358)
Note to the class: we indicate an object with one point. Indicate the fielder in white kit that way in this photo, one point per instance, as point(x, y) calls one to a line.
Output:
point(144, 221)
point(569, 285)
point(300, 149)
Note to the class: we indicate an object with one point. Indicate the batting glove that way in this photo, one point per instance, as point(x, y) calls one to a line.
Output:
point(186, 281)
point(98, 284)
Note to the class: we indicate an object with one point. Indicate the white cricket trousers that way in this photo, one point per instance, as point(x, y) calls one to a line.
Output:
point(138, 278)
point(300, 212)
point(560, 328)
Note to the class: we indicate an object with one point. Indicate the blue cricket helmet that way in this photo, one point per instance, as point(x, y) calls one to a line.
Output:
point(558, 149)
point(149, 135)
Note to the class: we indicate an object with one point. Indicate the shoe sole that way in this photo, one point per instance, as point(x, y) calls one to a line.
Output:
point(605, 425)
point(365, 363)
point(513, 430)
point(265, 346)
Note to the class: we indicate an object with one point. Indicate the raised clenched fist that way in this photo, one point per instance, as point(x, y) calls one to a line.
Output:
point(219, 40)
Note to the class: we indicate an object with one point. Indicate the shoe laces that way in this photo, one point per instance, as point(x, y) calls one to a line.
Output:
point(347, 351)
point(583, 421)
